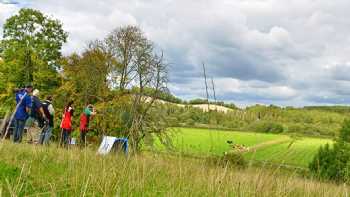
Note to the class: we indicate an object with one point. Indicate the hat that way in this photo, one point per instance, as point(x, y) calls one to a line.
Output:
point(36, 92)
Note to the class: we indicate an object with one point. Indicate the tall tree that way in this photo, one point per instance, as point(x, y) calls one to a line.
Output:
point(124, 45)
point(31, 47)
point(135, 67)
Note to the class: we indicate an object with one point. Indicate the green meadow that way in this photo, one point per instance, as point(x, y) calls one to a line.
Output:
point(279, 149)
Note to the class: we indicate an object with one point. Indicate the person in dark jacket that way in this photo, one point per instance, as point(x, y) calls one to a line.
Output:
point(36, 119)
point(24, 104)
point(49, 124)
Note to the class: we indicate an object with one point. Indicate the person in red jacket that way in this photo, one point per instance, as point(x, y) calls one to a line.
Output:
point(66, 124)
point(85, 117)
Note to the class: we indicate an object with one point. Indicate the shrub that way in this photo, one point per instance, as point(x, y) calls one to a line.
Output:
point(228, 159)
point(306, 129)
point(333, 163)
point(344, 134)
point(266, 127)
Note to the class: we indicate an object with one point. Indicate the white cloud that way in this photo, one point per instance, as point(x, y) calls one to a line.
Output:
point(268, 51)
point(5, 11)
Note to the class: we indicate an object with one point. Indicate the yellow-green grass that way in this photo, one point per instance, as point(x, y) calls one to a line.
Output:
point(50, 171)
point(299, 153)
point(204, 142)
point(208, 142)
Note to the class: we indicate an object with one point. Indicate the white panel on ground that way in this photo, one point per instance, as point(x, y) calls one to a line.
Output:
point(106, 145)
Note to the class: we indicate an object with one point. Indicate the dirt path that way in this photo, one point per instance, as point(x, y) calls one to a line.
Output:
point(263, 145)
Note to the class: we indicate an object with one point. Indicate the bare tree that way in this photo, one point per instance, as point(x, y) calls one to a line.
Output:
point(152, 73)
point(123, 44)
point(137, 68)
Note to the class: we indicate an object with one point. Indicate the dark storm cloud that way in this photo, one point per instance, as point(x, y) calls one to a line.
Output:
point(239, 65)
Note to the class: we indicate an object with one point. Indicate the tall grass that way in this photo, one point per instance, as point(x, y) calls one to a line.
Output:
point(52, 171)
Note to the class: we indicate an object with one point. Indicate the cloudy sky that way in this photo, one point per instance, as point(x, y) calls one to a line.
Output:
point(283, 52)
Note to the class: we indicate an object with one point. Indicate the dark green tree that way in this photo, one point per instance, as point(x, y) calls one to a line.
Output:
point(333, 162)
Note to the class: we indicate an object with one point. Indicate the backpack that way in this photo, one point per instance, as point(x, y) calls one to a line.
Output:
point(45, 106)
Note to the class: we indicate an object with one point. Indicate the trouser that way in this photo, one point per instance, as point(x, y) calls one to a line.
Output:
point(83, 138)
point(18, 132)
point(65, 137)
point(34, 128)
point(45, 135)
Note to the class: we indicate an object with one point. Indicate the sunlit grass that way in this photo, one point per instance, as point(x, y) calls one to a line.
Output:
point(50, 171)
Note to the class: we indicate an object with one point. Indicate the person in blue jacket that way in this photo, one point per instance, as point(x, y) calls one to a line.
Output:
point(24, 104)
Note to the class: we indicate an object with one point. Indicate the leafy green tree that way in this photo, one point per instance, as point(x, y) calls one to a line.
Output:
point(85, 76)
point(31, 47)
point(334, 162)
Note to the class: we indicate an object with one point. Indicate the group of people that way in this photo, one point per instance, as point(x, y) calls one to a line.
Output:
point(38, 117)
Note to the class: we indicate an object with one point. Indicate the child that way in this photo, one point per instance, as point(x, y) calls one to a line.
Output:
point(66, 124)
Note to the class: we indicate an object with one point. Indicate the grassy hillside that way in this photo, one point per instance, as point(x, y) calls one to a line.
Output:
point(264, 147)
point(28, 170)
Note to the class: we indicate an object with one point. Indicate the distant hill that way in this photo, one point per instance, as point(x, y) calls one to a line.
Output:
point(337, 109)
point(167, 97)
point(204, 106)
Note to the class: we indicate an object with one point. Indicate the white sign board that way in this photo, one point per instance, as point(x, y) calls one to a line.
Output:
point(106, 145)
point(73, 141)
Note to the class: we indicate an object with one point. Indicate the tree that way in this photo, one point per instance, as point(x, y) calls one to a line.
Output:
point(116, 74)
point(152, 73)
point(85, 76)
point(31, 47)
point(125, 44)
point(135, 67)
point(334, 162)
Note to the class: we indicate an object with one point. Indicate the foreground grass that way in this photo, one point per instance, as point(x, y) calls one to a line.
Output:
point(35, 170)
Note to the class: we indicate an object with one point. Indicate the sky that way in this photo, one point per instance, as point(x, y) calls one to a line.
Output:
point(288, 53)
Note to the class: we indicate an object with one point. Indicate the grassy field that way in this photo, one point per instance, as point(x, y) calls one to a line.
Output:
point(29, 170)
point(203, 142)
point(299, 153)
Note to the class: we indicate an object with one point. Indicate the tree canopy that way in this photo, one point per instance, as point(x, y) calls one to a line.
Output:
point(31, 49)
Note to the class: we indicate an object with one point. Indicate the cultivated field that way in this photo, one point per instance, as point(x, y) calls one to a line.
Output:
point(261, 147)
